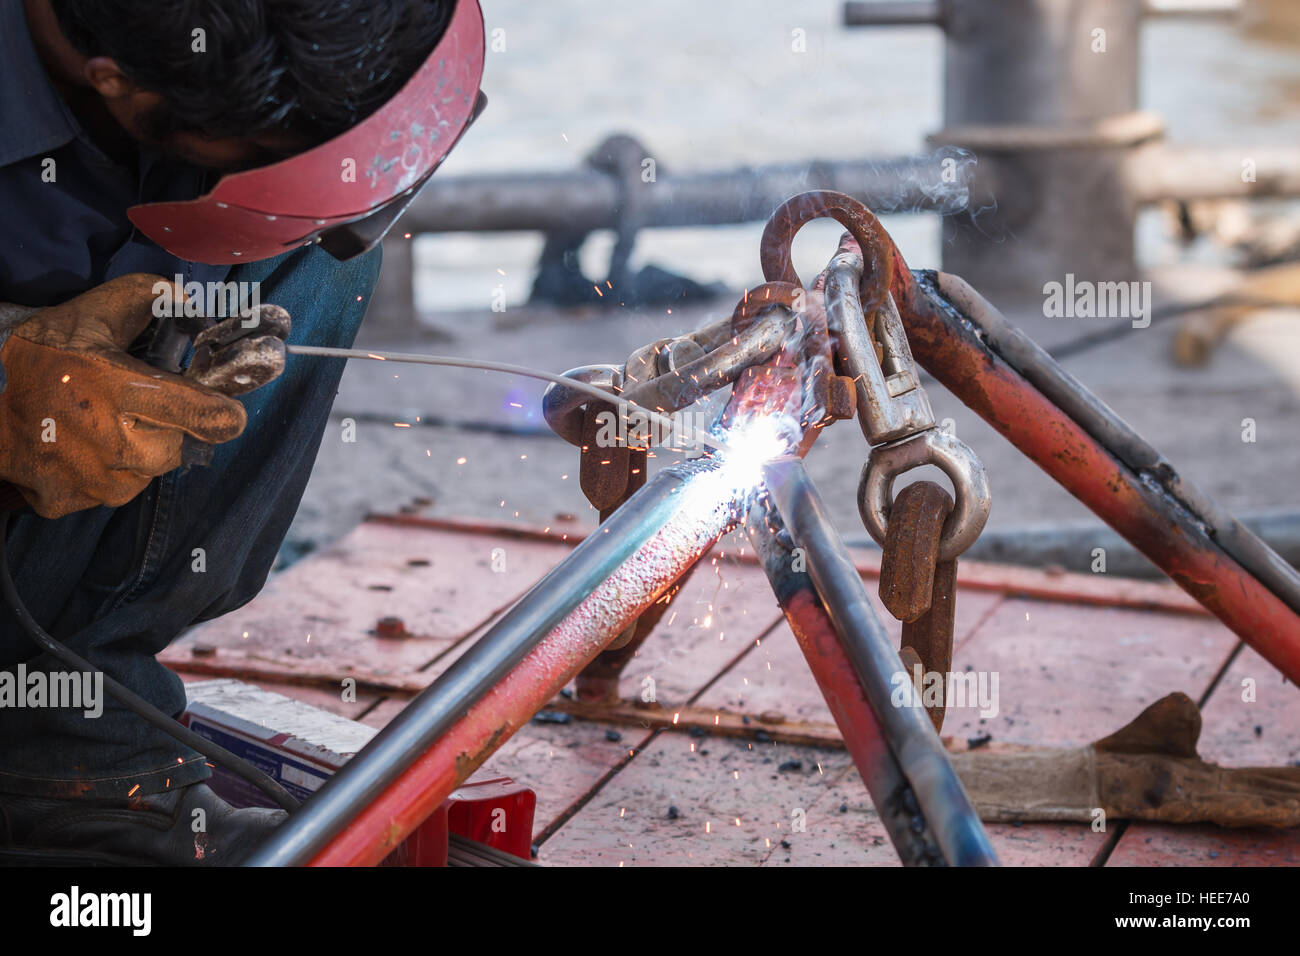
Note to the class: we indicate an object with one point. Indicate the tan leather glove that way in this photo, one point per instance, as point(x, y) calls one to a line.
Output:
point(84, 424)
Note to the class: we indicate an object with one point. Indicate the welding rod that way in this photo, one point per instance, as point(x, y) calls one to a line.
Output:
point(907, 729)
point(448, 699)
point(690, 435)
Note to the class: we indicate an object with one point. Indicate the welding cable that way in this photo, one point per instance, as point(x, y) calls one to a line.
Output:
point(451, 361)
point(131, 700)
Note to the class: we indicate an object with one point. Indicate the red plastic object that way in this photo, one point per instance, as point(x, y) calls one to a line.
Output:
point(497, 812)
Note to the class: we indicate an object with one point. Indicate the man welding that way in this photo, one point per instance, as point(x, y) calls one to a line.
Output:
point(262, 142)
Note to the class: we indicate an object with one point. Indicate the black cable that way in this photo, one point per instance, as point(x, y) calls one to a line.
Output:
point(133, 701)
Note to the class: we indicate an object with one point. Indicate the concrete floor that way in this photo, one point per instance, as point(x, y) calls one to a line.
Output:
point(477, 445)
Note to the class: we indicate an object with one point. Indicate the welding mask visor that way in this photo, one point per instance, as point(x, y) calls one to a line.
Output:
point(346, 193)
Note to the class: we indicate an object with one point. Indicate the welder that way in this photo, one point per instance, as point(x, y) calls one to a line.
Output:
point(268, 144)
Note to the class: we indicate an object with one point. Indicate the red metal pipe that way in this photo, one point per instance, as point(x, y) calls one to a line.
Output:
point(704, 515)
point(1060, 446)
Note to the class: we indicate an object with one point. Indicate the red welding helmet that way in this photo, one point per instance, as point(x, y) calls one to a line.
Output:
point(348, 191)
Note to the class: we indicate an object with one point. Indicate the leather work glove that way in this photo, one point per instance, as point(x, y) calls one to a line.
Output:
point(84, 424)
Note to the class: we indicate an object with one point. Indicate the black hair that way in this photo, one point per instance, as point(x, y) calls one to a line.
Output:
point(313, 67)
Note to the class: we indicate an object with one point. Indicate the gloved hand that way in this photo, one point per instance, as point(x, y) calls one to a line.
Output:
point(84, 424)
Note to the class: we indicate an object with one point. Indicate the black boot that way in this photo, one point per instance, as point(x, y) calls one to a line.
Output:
point(157, 829)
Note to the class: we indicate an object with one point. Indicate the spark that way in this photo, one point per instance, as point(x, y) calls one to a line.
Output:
point(461, 461)
point(133, 790)
point(65, 379)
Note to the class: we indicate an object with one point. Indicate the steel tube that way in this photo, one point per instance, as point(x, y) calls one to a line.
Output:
point(1142, 505)
point(583, 200)
point(1114, 434)
point(908, 731)
point(804, 611)
point(893, 13)
point(410, 766)
point(1161, 171)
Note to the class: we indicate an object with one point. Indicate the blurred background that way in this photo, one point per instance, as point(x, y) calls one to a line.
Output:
point(1165, 149)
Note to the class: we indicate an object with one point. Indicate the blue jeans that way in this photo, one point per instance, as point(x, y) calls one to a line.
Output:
point(117, 585)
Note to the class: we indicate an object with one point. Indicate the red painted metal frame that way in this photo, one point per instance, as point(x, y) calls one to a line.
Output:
point(1056, 443)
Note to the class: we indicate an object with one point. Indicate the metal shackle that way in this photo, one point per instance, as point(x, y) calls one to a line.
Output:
point(934, 446)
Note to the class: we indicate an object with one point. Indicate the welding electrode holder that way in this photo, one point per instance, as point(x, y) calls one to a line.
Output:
point(233, 356)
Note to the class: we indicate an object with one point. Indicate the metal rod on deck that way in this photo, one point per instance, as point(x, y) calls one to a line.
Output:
point(891, 794)
point(906, 729)
point(358, 788)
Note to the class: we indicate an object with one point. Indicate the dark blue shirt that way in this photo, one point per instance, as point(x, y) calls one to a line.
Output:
point(59, 238)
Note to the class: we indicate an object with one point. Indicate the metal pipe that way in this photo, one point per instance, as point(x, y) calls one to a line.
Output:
point(1070, 546)
point(1161, 171)
point(583, 200)
point(907, 730)
point(891, 794)
point(1142, 505)
point(1114, 434)
point(563, 621)
point(893, 13)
